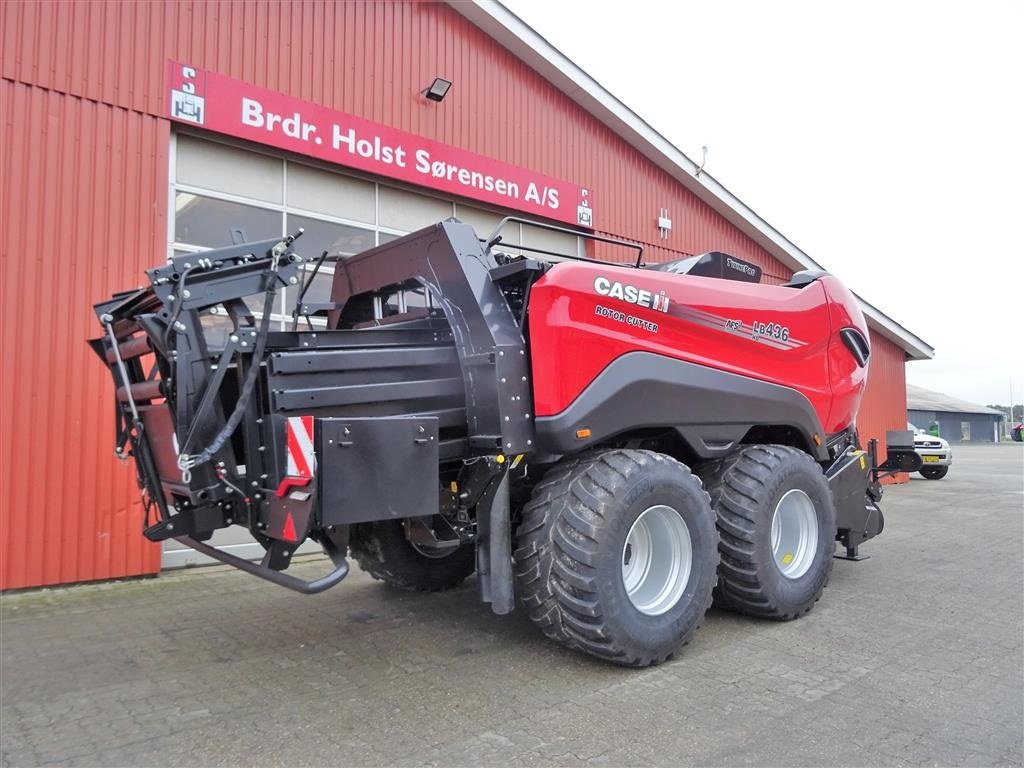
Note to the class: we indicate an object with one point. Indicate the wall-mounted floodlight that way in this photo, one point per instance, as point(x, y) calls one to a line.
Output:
point(438, 89)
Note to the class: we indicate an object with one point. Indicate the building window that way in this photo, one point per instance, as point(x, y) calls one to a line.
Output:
point(209, 222)
point(223, 194)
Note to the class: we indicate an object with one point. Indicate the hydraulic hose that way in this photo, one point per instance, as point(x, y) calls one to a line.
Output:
point(185, 461)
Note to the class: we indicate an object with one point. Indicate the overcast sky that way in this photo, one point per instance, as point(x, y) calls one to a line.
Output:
point(885, 140)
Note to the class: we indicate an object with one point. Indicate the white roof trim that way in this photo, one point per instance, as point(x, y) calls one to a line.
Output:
point(525, 43)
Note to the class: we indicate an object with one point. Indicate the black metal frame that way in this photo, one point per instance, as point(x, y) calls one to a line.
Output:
point(855, 497)
point(187, 381)
point(462, 375)
point(447, 260)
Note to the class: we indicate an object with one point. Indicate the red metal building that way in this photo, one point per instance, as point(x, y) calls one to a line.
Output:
point(105, 171)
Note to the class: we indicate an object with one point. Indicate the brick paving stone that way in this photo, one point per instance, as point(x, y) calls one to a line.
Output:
point(913, 657)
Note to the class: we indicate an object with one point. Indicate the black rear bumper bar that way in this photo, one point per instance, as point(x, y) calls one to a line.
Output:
point(277, 577)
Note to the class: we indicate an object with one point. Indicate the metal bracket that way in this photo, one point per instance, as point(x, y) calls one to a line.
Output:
point(852, 554)
point(418, 530)
point(494, 545)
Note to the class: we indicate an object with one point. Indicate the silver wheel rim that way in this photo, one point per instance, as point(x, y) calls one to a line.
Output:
point(656, 560)
point(794, 534)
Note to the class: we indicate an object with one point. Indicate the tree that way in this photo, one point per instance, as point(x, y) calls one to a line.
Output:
point(1017, 414)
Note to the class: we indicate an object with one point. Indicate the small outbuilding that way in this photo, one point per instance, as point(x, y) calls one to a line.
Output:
point(957, 421)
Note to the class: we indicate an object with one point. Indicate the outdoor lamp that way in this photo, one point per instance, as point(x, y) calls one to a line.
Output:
point(438, 89)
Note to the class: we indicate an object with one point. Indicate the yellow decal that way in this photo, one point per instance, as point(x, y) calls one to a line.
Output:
point(863, 464)
point(516, 460)
point(787, 558)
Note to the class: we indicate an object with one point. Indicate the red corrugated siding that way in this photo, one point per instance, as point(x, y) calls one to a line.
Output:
point(84, 183)
point(884, 405)
point(372, 60)
point(81, 213)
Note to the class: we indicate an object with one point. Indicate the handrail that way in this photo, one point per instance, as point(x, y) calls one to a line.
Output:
point(495, 238)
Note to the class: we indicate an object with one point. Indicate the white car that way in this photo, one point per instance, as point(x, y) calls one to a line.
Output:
point(935, 453)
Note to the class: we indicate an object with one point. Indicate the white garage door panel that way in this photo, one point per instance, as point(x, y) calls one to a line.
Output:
point(226, 169)
point(407, 211)
point(319, 191)
point(482, 221)
point(548, 240)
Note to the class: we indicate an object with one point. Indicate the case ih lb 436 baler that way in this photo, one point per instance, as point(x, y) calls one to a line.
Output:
point(612, 445)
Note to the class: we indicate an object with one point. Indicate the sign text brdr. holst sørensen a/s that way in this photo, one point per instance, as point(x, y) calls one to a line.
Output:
point(231, 107)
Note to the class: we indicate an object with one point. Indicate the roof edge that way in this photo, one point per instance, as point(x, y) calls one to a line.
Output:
point(531, 47)
point(923, 399)
point(944, 409)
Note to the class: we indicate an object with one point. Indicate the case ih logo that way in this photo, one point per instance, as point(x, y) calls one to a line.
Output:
point(188, 100)
point(613, 289)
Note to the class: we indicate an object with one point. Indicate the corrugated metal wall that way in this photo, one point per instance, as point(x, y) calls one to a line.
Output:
point(84, 187)
point(83, 211)
point(372, 60)
point(884, 406)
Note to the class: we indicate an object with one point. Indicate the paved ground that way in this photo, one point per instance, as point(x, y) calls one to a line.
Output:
point(912, 657)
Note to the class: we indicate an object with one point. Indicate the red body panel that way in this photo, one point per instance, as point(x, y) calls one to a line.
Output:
point(580, 322)
point(848, 379)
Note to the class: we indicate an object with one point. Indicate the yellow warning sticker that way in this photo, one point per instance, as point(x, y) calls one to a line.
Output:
point(787, 558)
point(863, 464)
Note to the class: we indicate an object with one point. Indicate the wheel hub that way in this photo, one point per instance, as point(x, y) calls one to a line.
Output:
point(794, 534)
point(656, 560)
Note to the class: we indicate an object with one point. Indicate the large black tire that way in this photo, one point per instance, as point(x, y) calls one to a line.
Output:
point(934, 473)
point(570, 549)
point(746, 489)
point(384, 552)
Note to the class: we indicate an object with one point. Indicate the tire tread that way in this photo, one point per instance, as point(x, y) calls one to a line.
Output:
point(736, 484)
point(387, 557)
point(557, 549)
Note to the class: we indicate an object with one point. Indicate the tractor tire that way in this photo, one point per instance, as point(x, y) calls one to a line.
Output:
point(777, 527)
point(934, 473)
point(616, 555)
point(384, 552)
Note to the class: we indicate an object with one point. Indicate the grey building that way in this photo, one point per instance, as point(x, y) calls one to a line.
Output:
point(958, 420)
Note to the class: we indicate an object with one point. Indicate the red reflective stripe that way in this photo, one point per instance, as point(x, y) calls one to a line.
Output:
point(300, 445)
point(289, 529)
